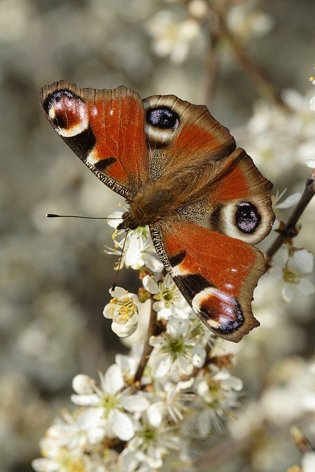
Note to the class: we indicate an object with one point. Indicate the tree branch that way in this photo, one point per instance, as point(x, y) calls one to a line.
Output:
point(147, 347)
point(289, 230)
point(254, 71)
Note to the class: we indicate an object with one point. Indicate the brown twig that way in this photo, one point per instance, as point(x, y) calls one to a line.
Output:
point(211, 65)
point(261, 80)
point(147, 347)
point(215, 18)
point(289, 230)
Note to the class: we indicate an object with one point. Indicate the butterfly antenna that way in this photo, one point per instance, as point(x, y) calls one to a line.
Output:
point(52, 215)
point(119, 261)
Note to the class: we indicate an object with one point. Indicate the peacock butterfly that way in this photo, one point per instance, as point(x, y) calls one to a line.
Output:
point(179, 170)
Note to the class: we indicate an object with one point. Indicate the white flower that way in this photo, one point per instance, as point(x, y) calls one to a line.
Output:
point(123, 310)
point(217, 395)
point(176, 351)
point(246, 23)
point(67, 438)
point(60, 462)
point(146, 451)
point(198, 9)
point(170, 300)
point(299, 264)
point(275, 134)
point(110, 399)
point(170, 403)
point(172, 36)
point(139, 250)
point(288, 202)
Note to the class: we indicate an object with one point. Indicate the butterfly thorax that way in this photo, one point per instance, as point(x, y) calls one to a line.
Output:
point(150, 205)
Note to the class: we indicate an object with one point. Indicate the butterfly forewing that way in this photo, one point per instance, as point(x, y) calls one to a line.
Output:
point(105, 128)
point(192, 138)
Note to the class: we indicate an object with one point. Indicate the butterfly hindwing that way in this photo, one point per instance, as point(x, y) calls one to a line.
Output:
point(237, 203)
point(105, 128)
point(215, 273)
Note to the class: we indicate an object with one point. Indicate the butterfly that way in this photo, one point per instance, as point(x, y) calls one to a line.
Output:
point(180, 172)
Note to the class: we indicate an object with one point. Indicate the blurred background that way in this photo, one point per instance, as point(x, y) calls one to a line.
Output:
point(55, 276)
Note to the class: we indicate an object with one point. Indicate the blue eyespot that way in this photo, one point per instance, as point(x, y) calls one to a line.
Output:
point(163, 118)
point(247, 217)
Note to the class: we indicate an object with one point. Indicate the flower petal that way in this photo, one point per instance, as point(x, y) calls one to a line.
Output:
point(289, 201)
point(123, 331)
point(45, 465)
point(301, 262)
point(161, 365)
point(128, 460)
point(114, 219)
point(113, 380)
point(121, 425)
point(118, 292)
point(135, 403)
point(83, 384)
point(155, 414)
point(184, 365)
point(198, 356)
point(306, 287)
point(86, 400)
point(150, 285)
point(152, 262)
point(287, 292)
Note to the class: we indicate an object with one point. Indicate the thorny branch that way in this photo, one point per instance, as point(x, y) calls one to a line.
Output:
point(289, 230)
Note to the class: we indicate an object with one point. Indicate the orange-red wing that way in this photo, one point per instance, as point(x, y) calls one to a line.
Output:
point(215, 273)
point(105, 128)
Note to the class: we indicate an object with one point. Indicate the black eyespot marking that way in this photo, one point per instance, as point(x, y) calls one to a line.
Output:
point(163, 118)
point(82, 143)
point(247, 217)
point(176, 260)
point(192, 284)
point(103, 163)
point(56, 97)
point(59, 121)
point(233, 324)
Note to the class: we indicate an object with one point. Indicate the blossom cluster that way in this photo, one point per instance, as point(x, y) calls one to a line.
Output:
point(129, 422)
point(295, 264)
point(141, 415)
point(176, 31)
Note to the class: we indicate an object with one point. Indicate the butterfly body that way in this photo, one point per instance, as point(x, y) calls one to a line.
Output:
point(181, 173)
